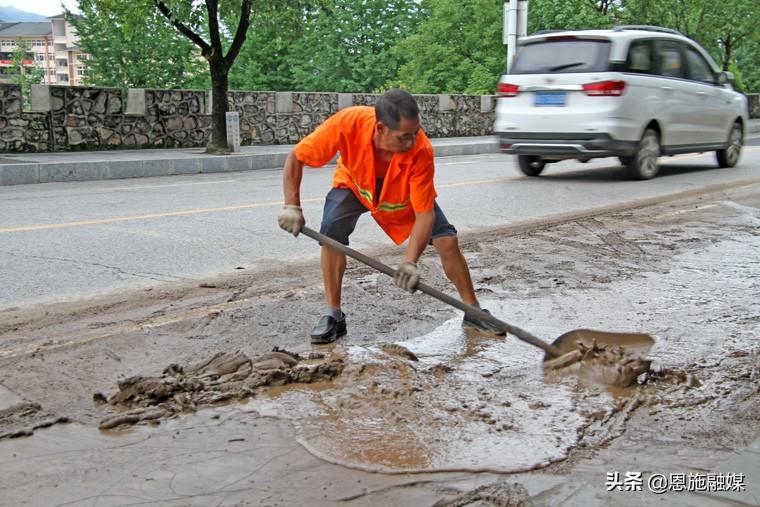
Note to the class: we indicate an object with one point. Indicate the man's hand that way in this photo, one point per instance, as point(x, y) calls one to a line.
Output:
point(291, 219)
point(407, 276)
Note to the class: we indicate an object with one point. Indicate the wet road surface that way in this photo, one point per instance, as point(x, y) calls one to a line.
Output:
point(473, 405)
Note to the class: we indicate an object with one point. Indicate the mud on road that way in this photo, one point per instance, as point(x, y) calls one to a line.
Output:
point(446, 416)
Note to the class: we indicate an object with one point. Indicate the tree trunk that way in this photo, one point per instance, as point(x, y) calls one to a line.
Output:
point(219, 86)
point(728, 47)
point(219, 64)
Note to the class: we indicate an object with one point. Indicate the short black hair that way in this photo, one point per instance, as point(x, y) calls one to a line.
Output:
point(395, 104)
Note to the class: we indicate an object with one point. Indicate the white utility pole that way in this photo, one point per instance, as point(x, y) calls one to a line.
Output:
point(515, 25)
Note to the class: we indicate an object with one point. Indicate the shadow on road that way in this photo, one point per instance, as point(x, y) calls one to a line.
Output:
point(618, 173)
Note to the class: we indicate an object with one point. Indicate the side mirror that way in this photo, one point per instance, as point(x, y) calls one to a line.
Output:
point(725, 77)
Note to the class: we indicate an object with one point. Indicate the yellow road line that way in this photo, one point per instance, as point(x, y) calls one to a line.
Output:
point(40, 227)
point(474, 182)
point(104, 221)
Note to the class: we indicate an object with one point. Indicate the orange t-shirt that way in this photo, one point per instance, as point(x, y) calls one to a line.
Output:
point(408, 183)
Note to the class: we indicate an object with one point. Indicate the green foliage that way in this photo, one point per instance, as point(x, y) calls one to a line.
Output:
point(690, 17)
point(131, 45)
point(347, 45)
point(746, 68)
point(426, 46)
point(456, 49)
point(264, 60)
point(569, 15)
point(22, 74)
point(330, 45)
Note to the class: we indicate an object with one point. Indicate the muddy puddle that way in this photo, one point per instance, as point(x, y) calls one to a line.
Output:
point(470, 403)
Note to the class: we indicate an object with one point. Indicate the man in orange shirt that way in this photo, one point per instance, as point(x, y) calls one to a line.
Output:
point(385, 167)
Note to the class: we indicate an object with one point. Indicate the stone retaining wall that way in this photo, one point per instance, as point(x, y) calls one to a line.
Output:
point(68, 118)
point(20, 131)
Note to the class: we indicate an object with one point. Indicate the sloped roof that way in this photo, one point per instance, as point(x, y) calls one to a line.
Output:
point(27, 29)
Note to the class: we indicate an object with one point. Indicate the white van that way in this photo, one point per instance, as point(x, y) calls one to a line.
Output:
point(634, 92)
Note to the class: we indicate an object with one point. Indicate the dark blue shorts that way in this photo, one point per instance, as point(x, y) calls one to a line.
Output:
point(343, 209)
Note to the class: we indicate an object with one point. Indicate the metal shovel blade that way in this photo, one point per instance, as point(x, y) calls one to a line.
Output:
point(637, 344)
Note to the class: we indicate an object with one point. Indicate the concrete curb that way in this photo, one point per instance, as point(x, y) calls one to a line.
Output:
point(79, 170)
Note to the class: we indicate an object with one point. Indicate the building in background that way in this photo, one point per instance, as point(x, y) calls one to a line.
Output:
point(53, 47)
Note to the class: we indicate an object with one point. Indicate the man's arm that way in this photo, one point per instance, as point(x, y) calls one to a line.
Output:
point(422, 196)
point(291, 179)
point(420, 236)
point(291, 218)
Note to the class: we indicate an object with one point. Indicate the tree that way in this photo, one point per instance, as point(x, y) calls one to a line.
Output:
point(188, 18)
point(347, 44)
point(457, 48)
point(326, 45)
point(22, 71)
point(570, 14)
point(604, 6)
point(265, 59)
point(130, 45)
point(746, 69)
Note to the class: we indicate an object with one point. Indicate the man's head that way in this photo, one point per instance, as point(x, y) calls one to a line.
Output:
point(398, 120)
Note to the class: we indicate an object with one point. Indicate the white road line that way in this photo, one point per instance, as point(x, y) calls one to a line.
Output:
point(159, 185)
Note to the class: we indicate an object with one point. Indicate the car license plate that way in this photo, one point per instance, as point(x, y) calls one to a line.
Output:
point(556, 99)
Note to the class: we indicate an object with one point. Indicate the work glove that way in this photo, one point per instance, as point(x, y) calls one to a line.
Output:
point(291, 219)
point(407, 276)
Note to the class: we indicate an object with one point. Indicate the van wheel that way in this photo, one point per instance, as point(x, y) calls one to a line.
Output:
point(530, 165)
point(643, 164)
point(729, 156)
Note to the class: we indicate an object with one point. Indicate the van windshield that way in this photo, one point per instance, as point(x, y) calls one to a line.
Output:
point(562, 55)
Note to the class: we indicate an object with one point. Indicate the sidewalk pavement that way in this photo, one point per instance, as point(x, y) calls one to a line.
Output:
point(27, 168)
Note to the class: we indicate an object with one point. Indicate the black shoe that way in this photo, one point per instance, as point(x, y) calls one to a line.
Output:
point(328, 329)
point(482, 325)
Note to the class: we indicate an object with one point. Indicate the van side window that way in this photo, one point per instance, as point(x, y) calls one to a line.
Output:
point(668, 61)
point(699, 69)
point(639, 57)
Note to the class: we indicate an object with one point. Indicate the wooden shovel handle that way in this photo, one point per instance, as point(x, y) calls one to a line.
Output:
point(470, 310)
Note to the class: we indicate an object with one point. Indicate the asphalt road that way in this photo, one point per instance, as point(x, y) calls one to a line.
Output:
point(68, 241)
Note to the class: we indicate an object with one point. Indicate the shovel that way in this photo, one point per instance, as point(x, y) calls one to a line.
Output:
point(561, 352)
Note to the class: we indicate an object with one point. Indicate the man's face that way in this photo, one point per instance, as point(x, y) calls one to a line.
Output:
point(401, 139)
